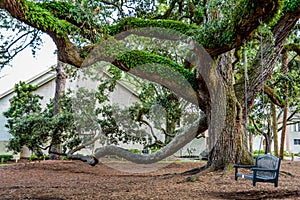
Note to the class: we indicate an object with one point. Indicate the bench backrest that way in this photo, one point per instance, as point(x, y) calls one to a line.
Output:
point(270, 162)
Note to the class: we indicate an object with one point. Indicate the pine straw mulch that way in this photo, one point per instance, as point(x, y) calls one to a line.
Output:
point(78, 180)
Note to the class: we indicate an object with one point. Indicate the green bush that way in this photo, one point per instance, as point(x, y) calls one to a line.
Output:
point(135, 151)
point(5, 157)
point(153, 150)
point(286, 153)
point(34, 157)
point(257, 152)
point(65, 158)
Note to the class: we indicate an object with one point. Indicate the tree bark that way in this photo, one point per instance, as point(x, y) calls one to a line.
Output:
point(60, 86)
point(231, 144)
point(274, 128)
point(284, 70)
point(283, 131)
point(250, 142)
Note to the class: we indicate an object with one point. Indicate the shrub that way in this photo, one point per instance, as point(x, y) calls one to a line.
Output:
point(65, 158)
point(5, 157)
point(257, 152)
point(286, 153)
point(34, 157)
point(153, 150)
point(135, 151)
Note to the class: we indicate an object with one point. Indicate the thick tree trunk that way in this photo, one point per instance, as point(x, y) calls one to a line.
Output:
point(231, 144)
point(224, 152)
point(60, 86)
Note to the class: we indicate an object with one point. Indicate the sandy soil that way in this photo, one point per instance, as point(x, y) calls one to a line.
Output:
point(78, 180)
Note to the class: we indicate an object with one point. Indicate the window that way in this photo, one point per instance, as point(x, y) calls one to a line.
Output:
point(296, 141)
point(297, 127)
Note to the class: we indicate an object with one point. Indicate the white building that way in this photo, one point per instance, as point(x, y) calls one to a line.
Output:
point(46, 88)
point(293, 138)
point(46, 83)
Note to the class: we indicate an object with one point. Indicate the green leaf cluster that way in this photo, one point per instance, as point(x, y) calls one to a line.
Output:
point(34, 127)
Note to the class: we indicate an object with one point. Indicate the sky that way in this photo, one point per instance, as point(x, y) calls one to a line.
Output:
point(24, 66)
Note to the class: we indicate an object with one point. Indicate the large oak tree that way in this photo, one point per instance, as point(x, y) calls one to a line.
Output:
point(220, 27)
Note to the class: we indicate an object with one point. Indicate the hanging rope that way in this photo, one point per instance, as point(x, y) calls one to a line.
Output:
point(246, 91)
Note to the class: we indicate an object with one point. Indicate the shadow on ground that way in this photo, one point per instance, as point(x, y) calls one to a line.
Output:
point(254, 194)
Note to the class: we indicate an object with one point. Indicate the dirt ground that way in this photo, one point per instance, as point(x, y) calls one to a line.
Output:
point(78, 180)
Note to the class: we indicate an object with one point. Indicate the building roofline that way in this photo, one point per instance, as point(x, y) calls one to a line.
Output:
point(34, 78)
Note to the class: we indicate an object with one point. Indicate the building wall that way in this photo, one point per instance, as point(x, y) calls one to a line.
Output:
point(4, 105)
point(46, 89)
point(193, 148)
point(294, 138)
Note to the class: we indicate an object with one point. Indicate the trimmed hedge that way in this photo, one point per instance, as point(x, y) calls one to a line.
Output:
point(5, 157)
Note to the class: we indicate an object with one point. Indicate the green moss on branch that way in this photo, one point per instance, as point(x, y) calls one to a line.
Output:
point(156, 64)
point(44, 20)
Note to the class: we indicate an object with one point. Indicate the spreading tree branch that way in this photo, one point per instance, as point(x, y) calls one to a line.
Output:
point(178, 142)
point(273, 96)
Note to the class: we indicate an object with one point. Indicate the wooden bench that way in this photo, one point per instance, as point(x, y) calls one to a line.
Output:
point(266, 169)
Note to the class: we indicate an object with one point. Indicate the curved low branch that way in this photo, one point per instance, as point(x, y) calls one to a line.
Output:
point(178, 142)
point(85, 144)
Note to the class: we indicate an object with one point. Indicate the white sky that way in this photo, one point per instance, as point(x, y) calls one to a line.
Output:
point(24, 66)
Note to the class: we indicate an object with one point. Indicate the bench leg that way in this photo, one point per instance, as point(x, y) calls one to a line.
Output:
point(276, 184)
point(254, 183)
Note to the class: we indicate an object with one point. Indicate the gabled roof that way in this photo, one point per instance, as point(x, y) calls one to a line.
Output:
point(39, 80)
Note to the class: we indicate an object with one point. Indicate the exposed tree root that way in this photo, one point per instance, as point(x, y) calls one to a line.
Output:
point(284, 173)
point(195, 173)
point(195, 170)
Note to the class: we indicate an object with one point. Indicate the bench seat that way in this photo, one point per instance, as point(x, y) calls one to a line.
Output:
point(266, 169)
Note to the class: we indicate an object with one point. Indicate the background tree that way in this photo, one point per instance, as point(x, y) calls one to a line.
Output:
point(276, 97)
